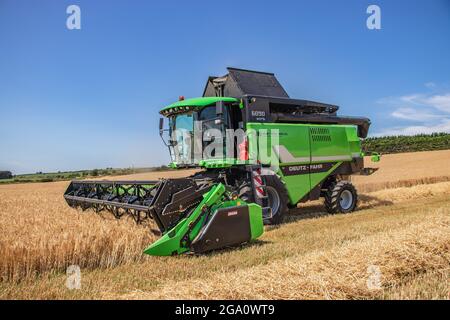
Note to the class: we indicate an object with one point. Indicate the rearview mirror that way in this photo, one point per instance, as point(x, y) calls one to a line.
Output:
point(161, 124)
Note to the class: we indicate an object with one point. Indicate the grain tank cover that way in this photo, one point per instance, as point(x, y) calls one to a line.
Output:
point(239, 82)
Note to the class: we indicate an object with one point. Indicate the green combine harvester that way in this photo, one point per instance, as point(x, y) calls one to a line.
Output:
point(288, 151)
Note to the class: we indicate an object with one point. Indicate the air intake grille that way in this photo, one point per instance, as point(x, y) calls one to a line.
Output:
point(320, 134)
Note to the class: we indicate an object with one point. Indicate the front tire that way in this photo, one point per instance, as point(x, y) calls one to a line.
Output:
point(278, 199)
point(341, 197)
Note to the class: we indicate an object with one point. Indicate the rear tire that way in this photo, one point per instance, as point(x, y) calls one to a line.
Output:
point(341, 197)
point(278, 199)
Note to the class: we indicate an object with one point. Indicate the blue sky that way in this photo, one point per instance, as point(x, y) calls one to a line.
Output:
point(80, 99)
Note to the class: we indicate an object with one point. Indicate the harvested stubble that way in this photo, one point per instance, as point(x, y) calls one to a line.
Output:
point(337, 273)
point(430, 285)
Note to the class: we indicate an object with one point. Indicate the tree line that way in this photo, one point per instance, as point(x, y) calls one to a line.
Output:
point(397, 144)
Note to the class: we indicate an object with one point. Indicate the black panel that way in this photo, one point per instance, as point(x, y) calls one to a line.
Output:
point(228, 227)
point(258, 111)
point(168, 189)
point(257, 83)
point(314, 194)
point(239, 82)
point(350, 167)
point(262, 92)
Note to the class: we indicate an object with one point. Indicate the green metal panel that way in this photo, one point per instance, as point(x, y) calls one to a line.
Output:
point(329, 143)
point(170, 242)
point(293, 148)
point(256, 220)
point(353, 140)
point(316, 178)
point(305, 144)
point(293, 138)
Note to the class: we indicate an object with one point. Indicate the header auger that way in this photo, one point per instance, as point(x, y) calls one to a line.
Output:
point(290, 151)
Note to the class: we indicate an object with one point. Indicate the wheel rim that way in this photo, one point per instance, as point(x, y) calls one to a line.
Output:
point(274, 199)
point(346, 199)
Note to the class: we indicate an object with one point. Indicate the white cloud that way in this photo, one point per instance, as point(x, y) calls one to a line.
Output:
point(443, 126)
point(431, 112)
point(440, 102)
point(437, 101)
point(415, 115)
point(412, 99)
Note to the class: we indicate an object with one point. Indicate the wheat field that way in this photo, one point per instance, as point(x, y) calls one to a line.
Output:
point(402, 227)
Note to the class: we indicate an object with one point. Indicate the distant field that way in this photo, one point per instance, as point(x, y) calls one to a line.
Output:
point(72, 175)
point(404, 231)
point(406, 169)
point(153, 175)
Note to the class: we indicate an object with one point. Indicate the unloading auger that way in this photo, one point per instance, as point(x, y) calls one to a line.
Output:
point(309, 153)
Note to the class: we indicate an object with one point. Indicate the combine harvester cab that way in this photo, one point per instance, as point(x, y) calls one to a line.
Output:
point(227, 202)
